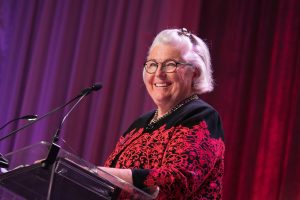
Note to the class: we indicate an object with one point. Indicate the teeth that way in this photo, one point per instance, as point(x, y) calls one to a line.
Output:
point(160, 84)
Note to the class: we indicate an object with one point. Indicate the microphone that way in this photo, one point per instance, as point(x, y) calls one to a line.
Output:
point(85, 92)
point(3, 160)
point(27, 117)
point(54, 148)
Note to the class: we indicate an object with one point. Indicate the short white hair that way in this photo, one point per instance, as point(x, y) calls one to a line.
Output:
point(194, 51)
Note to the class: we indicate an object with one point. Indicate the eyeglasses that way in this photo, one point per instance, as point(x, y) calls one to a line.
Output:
point(168, 66)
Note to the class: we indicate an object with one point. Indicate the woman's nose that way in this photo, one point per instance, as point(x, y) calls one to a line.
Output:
point(160, 72)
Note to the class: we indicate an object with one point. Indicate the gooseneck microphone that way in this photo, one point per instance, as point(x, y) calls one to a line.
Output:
point(86, 91)
point(26, 117)
point(3, 160)
point(95, 87)
point(54, 148)
point(83, 93)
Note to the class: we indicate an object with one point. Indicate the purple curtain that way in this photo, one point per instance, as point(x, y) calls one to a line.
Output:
point(51, 49)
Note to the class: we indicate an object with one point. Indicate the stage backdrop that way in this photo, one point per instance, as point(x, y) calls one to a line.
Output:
point(52, 49)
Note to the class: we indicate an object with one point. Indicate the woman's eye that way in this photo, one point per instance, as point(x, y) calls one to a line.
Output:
point(171, 64)
point(153, 65)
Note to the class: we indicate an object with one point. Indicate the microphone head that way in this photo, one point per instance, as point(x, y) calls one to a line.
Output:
point(96, 86)
point(86, 91)
point(30, 117)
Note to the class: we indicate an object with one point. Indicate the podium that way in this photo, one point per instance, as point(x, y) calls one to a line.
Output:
point(69, 177)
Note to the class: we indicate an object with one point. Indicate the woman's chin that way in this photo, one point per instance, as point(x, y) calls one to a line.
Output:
point(163, 100)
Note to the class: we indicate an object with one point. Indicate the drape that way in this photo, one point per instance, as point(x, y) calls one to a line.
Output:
point(52, 49)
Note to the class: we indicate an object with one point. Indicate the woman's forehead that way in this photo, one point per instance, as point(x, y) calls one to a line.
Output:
point(162, 52)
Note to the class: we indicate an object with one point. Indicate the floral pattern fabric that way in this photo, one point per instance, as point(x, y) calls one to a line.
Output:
point(183, 154)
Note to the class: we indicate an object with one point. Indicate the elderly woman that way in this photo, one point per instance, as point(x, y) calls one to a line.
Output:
point(179, 146)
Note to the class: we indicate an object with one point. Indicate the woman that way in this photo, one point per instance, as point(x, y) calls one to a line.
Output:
point(178, 147)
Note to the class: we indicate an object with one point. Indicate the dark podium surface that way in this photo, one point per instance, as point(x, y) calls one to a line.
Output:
point(68, 178)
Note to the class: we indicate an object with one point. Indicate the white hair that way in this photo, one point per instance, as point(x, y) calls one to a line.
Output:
point(194, 51)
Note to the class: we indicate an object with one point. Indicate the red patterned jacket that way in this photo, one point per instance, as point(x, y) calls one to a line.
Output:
point(182, 153)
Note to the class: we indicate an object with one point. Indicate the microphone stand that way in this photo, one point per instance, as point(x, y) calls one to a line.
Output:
point(3, 160)
point(27, 117)
point(54, 149)
point(38, 119)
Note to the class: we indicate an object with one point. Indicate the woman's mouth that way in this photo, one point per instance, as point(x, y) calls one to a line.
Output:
point(162, 84)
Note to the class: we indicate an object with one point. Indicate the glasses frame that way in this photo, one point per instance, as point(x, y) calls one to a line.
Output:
point(163, 65)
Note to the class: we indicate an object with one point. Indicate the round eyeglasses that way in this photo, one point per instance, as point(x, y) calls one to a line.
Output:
point(168, 66)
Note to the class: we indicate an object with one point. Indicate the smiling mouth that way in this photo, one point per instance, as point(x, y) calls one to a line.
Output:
point(161, 84)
